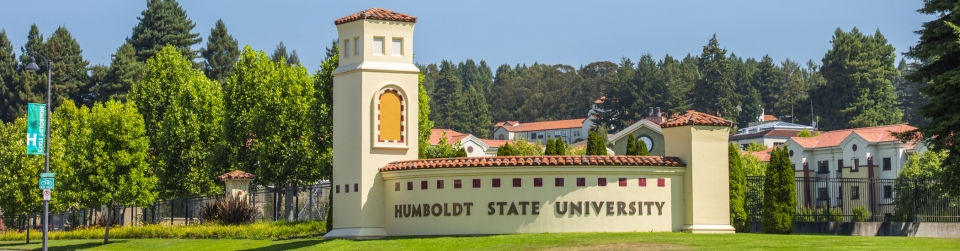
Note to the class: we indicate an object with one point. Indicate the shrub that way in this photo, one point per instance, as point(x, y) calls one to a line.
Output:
point(756, 147)
point(631, 145)
point(231, 210)
point(738, 184)
point(551, 148)
point(208, 213)
point(805, 133)
point(807, 214)
point(860, 214)
point(271, 230)
point(595, 144)
point(779, 194)
point(505, 150)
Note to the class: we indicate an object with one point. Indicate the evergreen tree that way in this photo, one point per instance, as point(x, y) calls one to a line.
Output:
point(859, 92)
point(69, 76)
point(678, 89)
point(123, 72)
point(32, 86)
point(750, 104)
point(623, 99)
point(765, 81)
point(908, 93)
point(8, 78)
point(642, 148)
point(595, 145)
point(163, 22)
point(505, 150)
point(779, 194)
point(715, 92)
point(280, 55)
point(632, 145)
point(548, 149)
point(738, 185)
point(220, 53)
point(938, 45)
point(447, 92)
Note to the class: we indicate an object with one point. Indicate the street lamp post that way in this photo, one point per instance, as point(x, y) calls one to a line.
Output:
point(46, 143)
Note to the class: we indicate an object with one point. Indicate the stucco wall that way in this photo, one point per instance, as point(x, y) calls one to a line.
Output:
point(620, 146)
point(484, 220)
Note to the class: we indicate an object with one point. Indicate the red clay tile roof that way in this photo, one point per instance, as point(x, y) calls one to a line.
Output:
point(237, 175)
point(452, 136)
point(762, 155)
point(872, 134)
point(535, 161)
point(494, 142)
point(768, 133)
point(377, 14)
point(541, 126)
point(695, 118)
point(768, 117)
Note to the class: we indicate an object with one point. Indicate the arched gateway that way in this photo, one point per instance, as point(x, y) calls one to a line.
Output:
point(381, 189)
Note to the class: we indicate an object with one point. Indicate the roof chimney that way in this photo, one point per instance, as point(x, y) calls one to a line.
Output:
point(658, 111)
point(651, 111)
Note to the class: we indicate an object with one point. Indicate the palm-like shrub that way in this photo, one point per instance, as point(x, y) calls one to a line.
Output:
point(231, 210)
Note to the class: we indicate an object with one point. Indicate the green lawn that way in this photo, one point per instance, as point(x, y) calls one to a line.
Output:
point(570, 241)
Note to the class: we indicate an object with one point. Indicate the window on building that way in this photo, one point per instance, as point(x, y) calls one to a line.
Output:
point(602, 182)
point(823, 166)
point(424, 185)
point(500, 137)
point(558, 182)
point(533, 135)
point(565, 133)
point(409, 185)
point(439, 184)
point(776, 144)
point(576, 133)
point(356, 46)
point(537, 182)
point(856, 165)
point(397, 47)
point(622, 182)
point(396, 186)
point(378, 46)
point(581, 182)
point(887, 191)
point(556, 133)
point(457, 184)
point(496, 182)
point(840, 193)
point(855, 192)
point(517, 182)
point(839, 165)
point(346, 48)
point(821, 193)
point(476, 183)
point(642, 181)
point(886, 164)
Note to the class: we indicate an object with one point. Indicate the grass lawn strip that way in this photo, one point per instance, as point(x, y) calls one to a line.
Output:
point(565, 241)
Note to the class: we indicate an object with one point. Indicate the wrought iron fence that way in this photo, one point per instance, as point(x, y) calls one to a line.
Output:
point(821, 199)
point(291, 203)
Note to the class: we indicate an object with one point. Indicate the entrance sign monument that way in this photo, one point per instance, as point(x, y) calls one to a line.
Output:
point(381, 189)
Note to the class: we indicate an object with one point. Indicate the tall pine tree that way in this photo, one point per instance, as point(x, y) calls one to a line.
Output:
point(69, 75)
point(164, 22)
point(8, 78)
point(220, 53)
point(31, 87)
point(715, 92)
point(124, 71)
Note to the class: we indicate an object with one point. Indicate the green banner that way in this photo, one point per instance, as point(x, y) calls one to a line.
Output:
point(36, 128)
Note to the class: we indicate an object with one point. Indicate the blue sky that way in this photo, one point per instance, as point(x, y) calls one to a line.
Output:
point(500, 31)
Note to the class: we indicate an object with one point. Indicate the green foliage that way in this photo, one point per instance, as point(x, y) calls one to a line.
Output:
point(632, 145)
point(445, 150)
point(322, 111)
point(267, 123)
point(738, 186)
point(779, 194)
point(595, 145)
point(185, 111)
point(8, 77)
point(69, 76)
point(548, 149)
point(163, 23)
point(805, 133)
point(119, 173)
point(860, 214)
point(124, 71)
point(560, 147)
point(922, 175)
point(269, 230)
point(505, 150)
point(756, 147)
point(715, 91)
point(938, 45)
point(19, 172)
point(642, 148)
point(30, 87)
point(280, 54)
point(576, 151)
point(858, 71)
point(823, 214)
point(752, 166)
point(425, 125)
point(220, 54)
point(69, 152)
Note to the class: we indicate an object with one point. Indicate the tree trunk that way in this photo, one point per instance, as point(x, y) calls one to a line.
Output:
point(107, 221)
point(27, 222)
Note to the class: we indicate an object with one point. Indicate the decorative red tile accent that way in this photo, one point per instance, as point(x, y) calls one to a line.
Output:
point(537, 182)
point(548, 160)
point(439, 184)
point(409, 185)
point(558, 182)
point(695, 118)
point(581, 182)
point(456, 184)
point(602, 182)
point(496, 182)
point(236, 175)
point(622, 181)
point(423, 185)
point(642, 181)
point(338, 188)
point(476, 183)
point(517, 182)
point(661, 182)
point(376, 14)
point(396, 186)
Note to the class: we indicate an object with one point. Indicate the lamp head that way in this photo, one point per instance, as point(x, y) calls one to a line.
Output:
point(33, 65)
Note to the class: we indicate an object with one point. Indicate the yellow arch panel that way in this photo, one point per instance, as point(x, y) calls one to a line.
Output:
point(390, 114)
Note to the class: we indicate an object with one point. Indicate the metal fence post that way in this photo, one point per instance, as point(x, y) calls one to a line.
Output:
point(916, 202)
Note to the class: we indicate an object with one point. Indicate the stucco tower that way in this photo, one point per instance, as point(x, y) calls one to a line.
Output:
point(375, 116)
